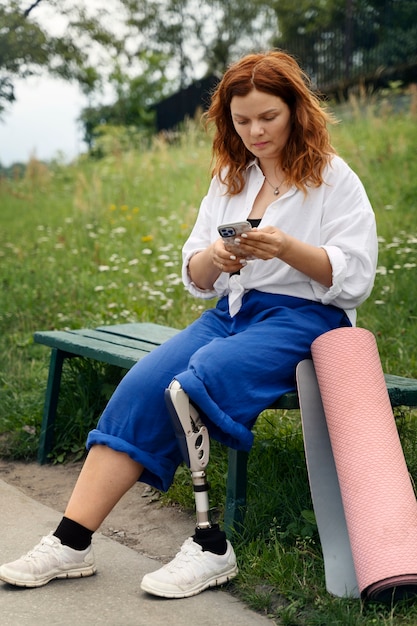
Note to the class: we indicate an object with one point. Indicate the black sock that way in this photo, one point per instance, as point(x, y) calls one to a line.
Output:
point(73, 534)
point(211, 539)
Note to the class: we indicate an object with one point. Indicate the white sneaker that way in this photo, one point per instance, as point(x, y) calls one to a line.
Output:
point(48, 560)
point(191, 571)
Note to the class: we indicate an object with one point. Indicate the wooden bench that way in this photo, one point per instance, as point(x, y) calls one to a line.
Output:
point(125, 344)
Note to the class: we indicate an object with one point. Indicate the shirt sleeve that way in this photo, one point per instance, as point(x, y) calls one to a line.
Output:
point(201, 236)
point(348, 235)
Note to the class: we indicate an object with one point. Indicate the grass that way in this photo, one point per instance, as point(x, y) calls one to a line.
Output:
point(99, 242)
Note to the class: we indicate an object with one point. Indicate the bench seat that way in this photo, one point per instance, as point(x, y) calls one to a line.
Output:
point(123, 345)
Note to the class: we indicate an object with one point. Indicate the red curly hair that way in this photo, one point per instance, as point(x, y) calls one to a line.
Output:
point(308, 149)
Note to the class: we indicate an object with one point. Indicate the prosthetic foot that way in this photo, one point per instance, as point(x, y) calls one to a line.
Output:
point(194, 442)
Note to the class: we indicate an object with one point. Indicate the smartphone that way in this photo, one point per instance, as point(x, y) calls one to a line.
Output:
point(228, 232)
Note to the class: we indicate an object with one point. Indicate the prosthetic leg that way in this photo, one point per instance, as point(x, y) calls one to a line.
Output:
point(194, 442)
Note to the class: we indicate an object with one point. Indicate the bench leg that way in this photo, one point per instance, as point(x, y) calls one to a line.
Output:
point(51, 403)
point(235, 491)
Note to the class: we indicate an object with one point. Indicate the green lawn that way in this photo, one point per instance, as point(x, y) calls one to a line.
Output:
point(99, 242)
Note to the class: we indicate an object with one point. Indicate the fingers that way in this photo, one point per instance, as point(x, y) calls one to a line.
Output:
point(230, 264)
point(264, 244)
point(226, 260)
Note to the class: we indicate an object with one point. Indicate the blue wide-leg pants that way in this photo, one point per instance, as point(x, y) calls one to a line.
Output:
point(232, 368)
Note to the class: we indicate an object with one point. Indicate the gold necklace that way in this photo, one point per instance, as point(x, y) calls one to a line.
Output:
point(275, 188)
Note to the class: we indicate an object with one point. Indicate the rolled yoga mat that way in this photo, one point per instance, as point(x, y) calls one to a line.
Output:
point(377, 496)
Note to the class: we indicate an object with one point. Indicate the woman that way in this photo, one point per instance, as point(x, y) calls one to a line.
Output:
point(302, 270)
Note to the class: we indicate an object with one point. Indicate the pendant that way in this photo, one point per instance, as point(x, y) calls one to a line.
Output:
point(276, 191)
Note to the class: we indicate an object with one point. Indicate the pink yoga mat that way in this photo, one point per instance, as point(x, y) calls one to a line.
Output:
point(377, 495)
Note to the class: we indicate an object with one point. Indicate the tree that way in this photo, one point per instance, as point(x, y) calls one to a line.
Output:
point(168, 44)
point(143, 50)
point(22, 47)
point(135, 97)
point(239, 27)
point(198, 38)
point(26, 48)
point(340, 41)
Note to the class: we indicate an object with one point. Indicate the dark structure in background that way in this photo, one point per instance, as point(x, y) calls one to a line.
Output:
point(367, 46)
point(184, 104)
point(371, 45)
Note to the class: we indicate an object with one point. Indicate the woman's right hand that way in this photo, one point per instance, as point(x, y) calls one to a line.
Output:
point(206, 266)
point(225, 260)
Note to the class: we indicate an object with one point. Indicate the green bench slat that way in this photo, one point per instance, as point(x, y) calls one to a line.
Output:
point(122, 345)
point(151, 333)
point(287, 401)
point(402, 392)
point(93, 347)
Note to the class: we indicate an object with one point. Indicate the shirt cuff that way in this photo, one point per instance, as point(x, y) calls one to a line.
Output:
point(190, 285)
point(339, 269)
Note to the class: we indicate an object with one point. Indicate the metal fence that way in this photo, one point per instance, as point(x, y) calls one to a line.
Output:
point(363, 47)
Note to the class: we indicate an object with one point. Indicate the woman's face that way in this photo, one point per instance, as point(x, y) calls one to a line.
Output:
point(263, 122)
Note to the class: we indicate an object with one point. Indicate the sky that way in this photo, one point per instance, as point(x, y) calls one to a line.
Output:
point(42, 122)
point(43, 119)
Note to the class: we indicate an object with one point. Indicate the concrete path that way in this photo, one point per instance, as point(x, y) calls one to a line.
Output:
point(111, 597)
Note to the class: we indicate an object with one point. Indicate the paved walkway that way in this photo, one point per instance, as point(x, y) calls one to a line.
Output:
point(111, 597)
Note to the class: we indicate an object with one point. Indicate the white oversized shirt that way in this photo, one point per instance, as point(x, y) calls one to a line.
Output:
point(336, 216)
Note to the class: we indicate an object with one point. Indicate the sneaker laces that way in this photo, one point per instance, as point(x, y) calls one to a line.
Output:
point(42, 548)
point(190, 552)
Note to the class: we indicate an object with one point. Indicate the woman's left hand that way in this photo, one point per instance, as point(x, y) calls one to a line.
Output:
point(271, 242)
point(263, 243)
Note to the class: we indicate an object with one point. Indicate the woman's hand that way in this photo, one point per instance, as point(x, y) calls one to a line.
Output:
point(264, 243)
point(271, 242)
point(206, 266)
point(260, 243)
point(225, 260)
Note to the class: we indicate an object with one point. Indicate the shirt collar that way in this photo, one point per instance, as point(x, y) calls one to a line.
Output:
point(252, 163)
